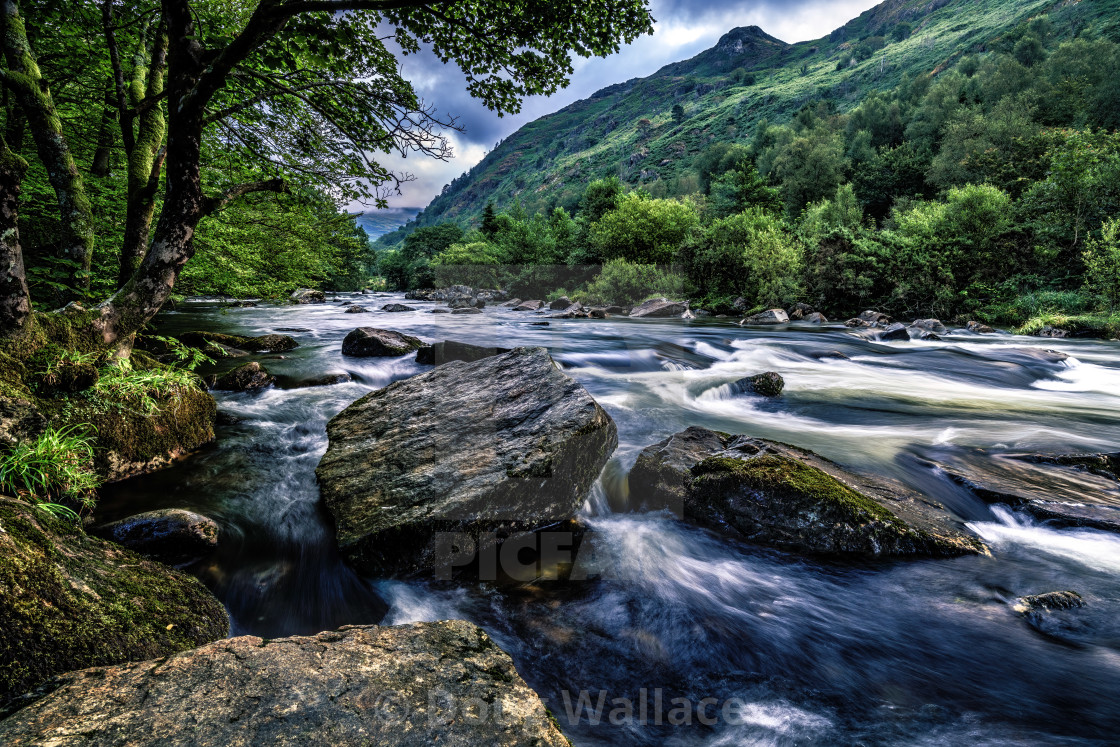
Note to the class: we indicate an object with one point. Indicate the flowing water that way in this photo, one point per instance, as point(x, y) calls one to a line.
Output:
point(800, 651)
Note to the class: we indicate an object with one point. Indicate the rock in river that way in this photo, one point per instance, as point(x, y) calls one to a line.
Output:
point(372, 342)
point(775, 494)
point(660, 307)
point(396, 307)
point(508, 444)
point(242, 379)
point(170, 535)
point(309, 295)
point(769, 384)
point(450, 350)
point(444, 683)
point(773, 316)
point(70, 601)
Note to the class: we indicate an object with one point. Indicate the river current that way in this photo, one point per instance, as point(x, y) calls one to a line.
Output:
point(800, 651)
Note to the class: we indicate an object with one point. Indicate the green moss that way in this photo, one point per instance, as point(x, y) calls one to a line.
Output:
point(68, 601)
point(1104, 326)
point(792, 479)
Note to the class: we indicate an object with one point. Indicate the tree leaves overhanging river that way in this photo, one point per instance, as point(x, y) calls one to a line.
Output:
point(913, 652)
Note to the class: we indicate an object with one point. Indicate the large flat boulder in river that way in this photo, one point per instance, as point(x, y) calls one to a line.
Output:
point(441, 683)
point(508, 444)
point(774, 494)
point(372, 342)
point(69, 601)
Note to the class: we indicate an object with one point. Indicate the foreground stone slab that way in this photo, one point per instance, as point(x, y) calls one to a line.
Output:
point(775, 494)
point(506, 445)
point(412, 685)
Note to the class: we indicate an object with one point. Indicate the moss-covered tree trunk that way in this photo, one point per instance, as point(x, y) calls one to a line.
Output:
point(146, 158)
point(31, 91)
point(101, 164)
point(15, 302)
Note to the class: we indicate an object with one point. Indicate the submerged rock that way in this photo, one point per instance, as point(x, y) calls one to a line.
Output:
point(70, 601)
point(396, 308)
point(309, 295)
point(244, 378)
point(355, 309)
point(371, 342)
point(659, 308)
point(325, 380)
point(773, 316)
point(420, 684)
point(467, 310)
point(450, 350)
point(171, 536)
point(778, 495)
point(269, 344)
point(508, 444)
point(769, 384)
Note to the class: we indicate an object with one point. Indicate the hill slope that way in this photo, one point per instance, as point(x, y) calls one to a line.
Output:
point(628, 129)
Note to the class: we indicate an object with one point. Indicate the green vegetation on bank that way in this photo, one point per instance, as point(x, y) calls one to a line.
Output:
point(988, 191)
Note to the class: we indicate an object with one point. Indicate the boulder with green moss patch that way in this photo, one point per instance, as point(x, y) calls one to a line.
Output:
point(778, 495)
point(69, 601)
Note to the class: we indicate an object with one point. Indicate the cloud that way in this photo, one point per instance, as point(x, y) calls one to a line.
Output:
point(682, 29)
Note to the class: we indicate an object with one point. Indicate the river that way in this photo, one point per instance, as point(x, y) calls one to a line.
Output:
point(808, 651)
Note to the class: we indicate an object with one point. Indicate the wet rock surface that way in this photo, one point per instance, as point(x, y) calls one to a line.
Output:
point(508, 444)
point(451, 350)
point(172, 536)
point(778, 495)
point(410, 686)
point(659, 307)
point(248, 377)
point(374, 342)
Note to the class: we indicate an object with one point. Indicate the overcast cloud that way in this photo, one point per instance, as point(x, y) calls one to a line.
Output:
point(683, 28)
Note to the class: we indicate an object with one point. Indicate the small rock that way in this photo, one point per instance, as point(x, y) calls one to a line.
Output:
point(461, 303)
point(930, 325)
point(528, 306)
point(242, 379)
point(372, 342)
point(597, 314)
point(800, 311)
point(309, 295)
point(560, 304)
point(172, 536)
point(874, 317)
point(897, 332)
point(773, 316)
point(1053, 332)
point(396, 307)
point(440, 311)
point(857, 323)
point(659, 308)
point(512, 304)
point(241, 305)
point(978, 328)
point(268, 344)
point(356, 309)
point(539, 324)
point(828, 354)
point(769, 384)
point(816, 318)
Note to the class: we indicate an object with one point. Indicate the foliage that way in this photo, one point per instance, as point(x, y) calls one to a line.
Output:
point(53, 472)
point(643, 230)
point(627, 283)
point(1102, 265)
point(147, 391)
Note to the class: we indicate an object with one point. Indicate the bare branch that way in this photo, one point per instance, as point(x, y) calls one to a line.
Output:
point(213, 204)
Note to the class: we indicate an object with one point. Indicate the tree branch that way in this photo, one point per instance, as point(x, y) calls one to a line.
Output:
point(212, 205)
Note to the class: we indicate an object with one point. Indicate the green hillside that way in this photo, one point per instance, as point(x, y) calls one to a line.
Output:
point(628, 130)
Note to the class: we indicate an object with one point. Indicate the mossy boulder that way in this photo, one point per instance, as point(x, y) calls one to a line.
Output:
point(373, 342)
point(217, 341)
point(132, 441)
point(769, 384)
point(778, 495)
point(69, 601)
point(248, 377)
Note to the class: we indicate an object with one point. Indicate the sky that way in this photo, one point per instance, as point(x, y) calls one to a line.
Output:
point(682, 29)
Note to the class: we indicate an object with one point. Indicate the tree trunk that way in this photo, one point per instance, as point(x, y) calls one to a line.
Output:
point(145, 160)
point(101, 164)
point(15, 302)
point(34, 97)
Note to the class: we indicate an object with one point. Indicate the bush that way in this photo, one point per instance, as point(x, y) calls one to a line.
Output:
point(644, 230)
point(1102, 265)
point(626, 283)
point(476, 264)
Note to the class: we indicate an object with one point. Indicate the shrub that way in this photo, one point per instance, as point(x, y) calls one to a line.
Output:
point(623, 282)
point(1102, 264)
point(644, 230)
